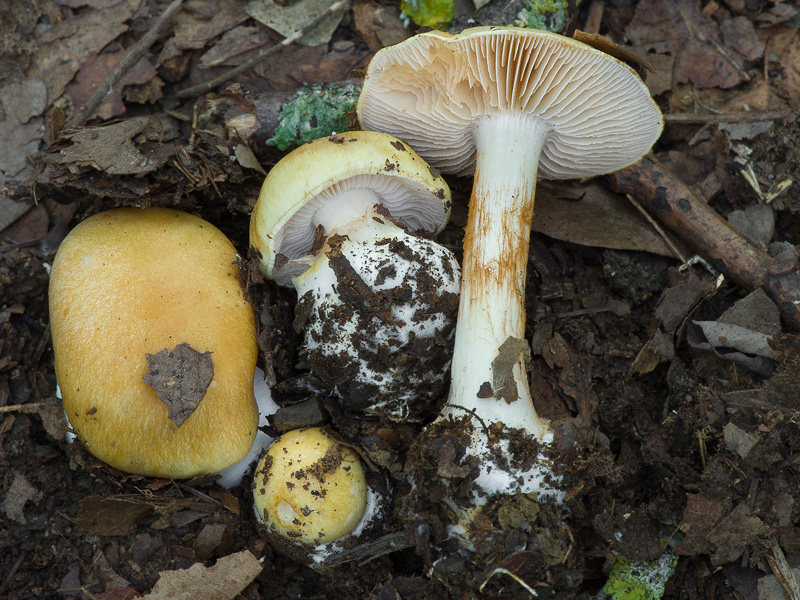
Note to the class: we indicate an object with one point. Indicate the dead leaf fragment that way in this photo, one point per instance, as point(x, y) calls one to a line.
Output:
point(223, 581)
point(699, 518)
point(206, 20)
point(94, 73)
point(19, 140)
point(379, 25)
point(508, 356)
point(679, 29)
point(130, 147)
point(180, 377)
point(24, 100)
point(590, 215)
point(738, 440)
point(111, 516)
point(66, 45)
point(731, 342)
point(290, 18)
point(733, 533)
point(20, 492)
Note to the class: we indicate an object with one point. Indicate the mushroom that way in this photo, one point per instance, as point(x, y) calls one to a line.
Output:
point(378, 304)
point(310, 490)
point(154, 343)
point(507, 104)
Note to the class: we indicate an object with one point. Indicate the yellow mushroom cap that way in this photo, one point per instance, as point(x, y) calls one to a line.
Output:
point(310, 488)
point(127, 283)
point(303, 181)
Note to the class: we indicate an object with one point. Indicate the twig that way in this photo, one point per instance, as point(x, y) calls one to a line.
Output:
point(142, 46)
point(667, 240)
point(11, 573)
point(594, 16)
point(246, 66)
point(678, 207)
point(780, 567)
point(731, 117)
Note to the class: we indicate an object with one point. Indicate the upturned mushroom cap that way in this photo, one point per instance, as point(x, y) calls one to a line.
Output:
point(282, 226)
point(128, 283)
point(430, 89)
point(309, 488)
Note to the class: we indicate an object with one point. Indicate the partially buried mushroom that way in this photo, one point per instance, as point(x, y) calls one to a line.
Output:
point(154, 343)
point(377, 303)
point(310, 491)
point(507, 105)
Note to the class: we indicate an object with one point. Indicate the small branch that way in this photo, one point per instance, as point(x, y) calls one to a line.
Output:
point(731, 117)
point(691, 218)
point(141, 47)
point(673, 248)
point(246, 66)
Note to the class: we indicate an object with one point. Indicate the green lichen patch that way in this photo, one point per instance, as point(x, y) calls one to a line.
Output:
point(429, 13)
point(315, 111)
point(640, 579)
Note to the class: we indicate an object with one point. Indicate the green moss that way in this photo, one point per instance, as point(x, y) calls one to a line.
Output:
point(549, 15)
point(315, 111)
point(429, 13)
point(640, 580)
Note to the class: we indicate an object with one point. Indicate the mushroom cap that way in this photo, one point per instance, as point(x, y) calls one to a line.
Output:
point(281, 225)
point(430, 89)
point(127, 283)
point(310, 488)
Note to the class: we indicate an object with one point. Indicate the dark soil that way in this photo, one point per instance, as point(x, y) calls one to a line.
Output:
point(662, 445)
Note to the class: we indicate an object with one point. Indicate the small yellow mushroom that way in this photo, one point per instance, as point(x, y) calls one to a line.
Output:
point(309, 488)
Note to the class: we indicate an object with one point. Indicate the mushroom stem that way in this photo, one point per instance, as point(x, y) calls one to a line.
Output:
point(375, 283)
point(488, 374)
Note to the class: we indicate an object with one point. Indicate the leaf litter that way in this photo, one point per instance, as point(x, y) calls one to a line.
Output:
point(666, 443)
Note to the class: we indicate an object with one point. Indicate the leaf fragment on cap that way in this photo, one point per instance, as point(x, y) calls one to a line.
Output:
point(180, 378)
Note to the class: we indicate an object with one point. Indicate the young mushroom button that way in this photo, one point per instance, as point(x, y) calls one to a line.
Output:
point(154, 343)
point(508, 105)
point(309, 489)
point(378, 304)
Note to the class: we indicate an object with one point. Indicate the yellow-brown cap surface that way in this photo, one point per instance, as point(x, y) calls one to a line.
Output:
point(309, 488)
point(127, 283)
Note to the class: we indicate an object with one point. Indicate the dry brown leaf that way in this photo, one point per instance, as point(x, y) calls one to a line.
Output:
point(111, 516)
point(787, 47)
point(96, 70)
point(379, 25)
point(678, 28)
point(24, 100)
point(223, 581)
point(19, 493)
point(19, 140)
point(65, 46)
point(699, 517)
point(206, 20)
point(236, 46)
point(592, 216)
point(118, 149)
